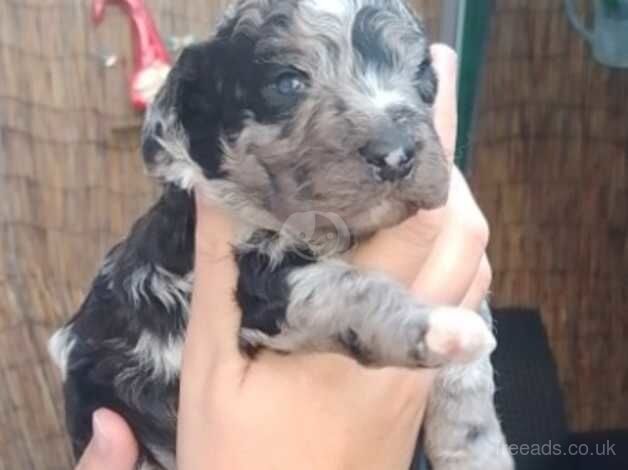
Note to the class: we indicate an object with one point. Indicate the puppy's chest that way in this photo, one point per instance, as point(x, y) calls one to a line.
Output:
point(263, 290)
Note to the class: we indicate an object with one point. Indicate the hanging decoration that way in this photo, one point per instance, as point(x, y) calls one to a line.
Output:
point(151, 60)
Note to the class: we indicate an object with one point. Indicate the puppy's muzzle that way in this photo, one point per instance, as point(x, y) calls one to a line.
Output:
point(391, 154)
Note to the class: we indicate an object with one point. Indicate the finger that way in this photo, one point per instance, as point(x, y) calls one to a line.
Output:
point(400, 252)
point(112, 445)
point(480, 287)
point(212, 333)
point(454, 261)
point(445, 61)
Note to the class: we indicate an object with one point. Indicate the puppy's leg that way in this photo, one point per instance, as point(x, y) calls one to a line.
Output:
point(462, 430)
point(334, 307)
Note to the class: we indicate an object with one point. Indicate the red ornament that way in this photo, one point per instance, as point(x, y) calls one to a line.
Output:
point(151, 60)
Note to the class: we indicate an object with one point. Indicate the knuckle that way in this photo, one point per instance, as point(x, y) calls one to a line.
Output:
point(477, 230)
point(484, 277)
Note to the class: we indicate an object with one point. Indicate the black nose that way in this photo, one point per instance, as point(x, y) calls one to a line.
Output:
point(392, 155)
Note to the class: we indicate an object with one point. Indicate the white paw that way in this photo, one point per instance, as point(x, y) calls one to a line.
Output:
point(459, 335)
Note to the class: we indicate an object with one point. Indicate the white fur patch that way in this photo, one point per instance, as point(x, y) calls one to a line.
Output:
point(329, 7)
point(395, 158)
point(380, 95)
point(60, 346)
point(383, 99)
point(166, 459)
point(254, 337)
point(227, 195)
point(459, 335)
point(172, 291)
point(161, 357)
point(180, 169)
point(173, 164)
point(147, 466)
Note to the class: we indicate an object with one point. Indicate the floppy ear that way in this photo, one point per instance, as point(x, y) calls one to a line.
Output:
point(180, 139)
point(427, 82)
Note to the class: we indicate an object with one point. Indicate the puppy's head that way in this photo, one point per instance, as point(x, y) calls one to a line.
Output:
point(305, 105)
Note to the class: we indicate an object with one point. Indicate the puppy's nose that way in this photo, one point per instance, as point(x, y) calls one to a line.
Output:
point(391, 156)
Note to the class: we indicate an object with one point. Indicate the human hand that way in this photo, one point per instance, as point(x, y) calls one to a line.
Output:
point(319, 411)
point(112, 446)
point(322, 411)
point(440, 254)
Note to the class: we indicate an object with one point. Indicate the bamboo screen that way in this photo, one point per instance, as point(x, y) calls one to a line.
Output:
point(550, 168)
point(71, 182)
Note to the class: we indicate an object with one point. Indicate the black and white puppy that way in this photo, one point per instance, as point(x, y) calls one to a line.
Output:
point(311, 121)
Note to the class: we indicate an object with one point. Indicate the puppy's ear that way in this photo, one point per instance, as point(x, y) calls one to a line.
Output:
point(181, 135)
point(427, 82)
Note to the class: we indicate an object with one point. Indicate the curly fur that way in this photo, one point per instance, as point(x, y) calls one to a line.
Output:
point(307, 172)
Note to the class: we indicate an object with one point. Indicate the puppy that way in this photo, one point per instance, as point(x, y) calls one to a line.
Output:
point(311, 122)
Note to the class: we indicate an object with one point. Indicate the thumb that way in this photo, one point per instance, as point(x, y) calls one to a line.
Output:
point(212, 333)
point(112, 445)
point(445, 63)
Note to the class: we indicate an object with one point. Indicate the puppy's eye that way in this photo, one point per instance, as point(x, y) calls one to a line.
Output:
point(290, 83)
point(282, 89)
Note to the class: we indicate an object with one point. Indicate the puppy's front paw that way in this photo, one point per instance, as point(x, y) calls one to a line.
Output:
point(456, 335)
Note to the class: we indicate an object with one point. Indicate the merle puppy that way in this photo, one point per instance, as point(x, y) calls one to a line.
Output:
point(305, 118)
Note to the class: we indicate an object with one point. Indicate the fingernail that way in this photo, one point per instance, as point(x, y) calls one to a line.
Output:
point(102, 444)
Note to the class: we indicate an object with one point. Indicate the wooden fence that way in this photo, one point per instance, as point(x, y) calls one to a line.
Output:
point(550, 168)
